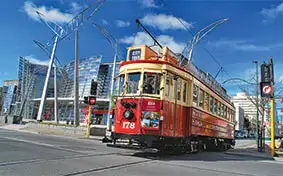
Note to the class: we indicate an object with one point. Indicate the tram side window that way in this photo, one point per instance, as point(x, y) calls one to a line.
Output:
point(173, 82)
point(218, 108)
point(211, 104)
point(225, 112)
point(178, 89)
point(215, 106)
point(201, 98)
point(185, 92)
point(195, 95)
point(206, 102)
point(151, 84)
point(133, 83)
point(121, 84)
point(222, 110)
point(228, 113)
point(167, 88)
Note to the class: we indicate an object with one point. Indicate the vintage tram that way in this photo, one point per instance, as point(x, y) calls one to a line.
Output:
point(162, 104)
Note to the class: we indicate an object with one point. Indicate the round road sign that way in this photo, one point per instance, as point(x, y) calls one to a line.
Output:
point(267, 89)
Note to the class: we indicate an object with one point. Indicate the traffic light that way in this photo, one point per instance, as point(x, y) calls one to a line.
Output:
point(86, 100)
point(93, 88)
point(91, 100)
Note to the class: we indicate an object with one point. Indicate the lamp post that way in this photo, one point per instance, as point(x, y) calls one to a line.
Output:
point(257, 86)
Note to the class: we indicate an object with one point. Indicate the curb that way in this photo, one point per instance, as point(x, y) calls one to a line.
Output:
point(19, 130)
point(98, 138)
point(250, 155)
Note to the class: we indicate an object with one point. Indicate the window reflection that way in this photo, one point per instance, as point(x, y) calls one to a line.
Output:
point(121, 84)
point(133, 83)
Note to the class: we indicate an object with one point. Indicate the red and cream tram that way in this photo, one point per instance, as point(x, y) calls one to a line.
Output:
point(161, 104)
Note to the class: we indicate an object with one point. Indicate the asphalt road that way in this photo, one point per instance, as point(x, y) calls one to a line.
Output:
point(32, 154)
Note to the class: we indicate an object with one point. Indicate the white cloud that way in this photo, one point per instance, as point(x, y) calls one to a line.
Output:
point(36, 61)
point(165, 22)
point(104, 22)
point(243, 45)
point(75, 7)
point(148, 3)
point(143, 39)
point(122, 24)
point(50, 14)
point(273, 11)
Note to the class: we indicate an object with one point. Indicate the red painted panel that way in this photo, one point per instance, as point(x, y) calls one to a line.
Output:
point(123, 125)
point(207, 125)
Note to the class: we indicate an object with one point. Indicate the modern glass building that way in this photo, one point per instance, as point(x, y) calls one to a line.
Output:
point(9, 96)
point(32, 76)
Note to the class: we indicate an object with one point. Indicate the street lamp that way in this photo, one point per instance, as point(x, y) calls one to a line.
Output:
point(257, 86)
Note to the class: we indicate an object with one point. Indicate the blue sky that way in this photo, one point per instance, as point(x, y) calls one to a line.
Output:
point(253, 32)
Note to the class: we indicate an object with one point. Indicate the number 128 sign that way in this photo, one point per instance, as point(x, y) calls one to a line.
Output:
point(266, 89)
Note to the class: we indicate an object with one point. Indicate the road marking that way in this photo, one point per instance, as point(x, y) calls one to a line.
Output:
point(41, 144)
point(27, 141)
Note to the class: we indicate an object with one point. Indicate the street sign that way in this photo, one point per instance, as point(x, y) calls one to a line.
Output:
point(266, 89)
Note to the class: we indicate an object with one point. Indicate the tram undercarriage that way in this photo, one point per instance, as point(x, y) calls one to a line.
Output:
point(171, 144)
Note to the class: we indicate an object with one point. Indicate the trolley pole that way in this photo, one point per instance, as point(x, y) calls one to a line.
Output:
point(88, 121)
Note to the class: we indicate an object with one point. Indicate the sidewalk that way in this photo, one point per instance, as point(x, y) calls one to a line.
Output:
point(54, 132)
point(251, 151)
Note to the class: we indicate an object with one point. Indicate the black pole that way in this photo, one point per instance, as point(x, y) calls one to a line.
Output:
point(139, 23)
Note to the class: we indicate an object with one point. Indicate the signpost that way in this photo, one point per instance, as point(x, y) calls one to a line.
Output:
point(267, 91)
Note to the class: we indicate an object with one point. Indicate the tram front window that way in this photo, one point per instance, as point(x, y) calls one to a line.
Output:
point(133, 83)
point(151, 84)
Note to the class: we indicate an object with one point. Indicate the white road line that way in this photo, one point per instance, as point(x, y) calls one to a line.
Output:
point(41, 144)
point(31, 142)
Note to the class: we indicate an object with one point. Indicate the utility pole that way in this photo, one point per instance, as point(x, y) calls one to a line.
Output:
point(257, 93)
point(76, 83)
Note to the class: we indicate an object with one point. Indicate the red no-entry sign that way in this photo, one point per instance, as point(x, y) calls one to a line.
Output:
point(267, 89)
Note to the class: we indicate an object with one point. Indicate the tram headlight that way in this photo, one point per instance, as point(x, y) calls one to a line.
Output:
point(128, 114)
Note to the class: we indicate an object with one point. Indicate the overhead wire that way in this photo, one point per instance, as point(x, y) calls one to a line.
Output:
point(208, 52)
point(215, 60)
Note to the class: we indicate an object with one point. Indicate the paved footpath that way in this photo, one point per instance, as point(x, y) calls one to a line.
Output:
point(31, 154)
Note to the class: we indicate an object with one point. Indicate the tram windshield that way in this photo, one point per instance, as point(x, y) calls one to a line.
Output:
point(151, 83)
point(133, 83)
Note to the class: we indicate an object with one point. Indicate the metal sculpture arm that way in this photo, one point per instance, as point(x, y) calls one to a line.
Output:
point(111, 40)
point(194, 41)
point(74, 23)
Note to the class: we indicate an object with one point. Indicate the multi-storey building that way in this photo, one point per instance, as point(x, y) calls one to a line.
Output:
point(1, 98)
point(9, 92)
point(244, 102)
point(239, 117)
